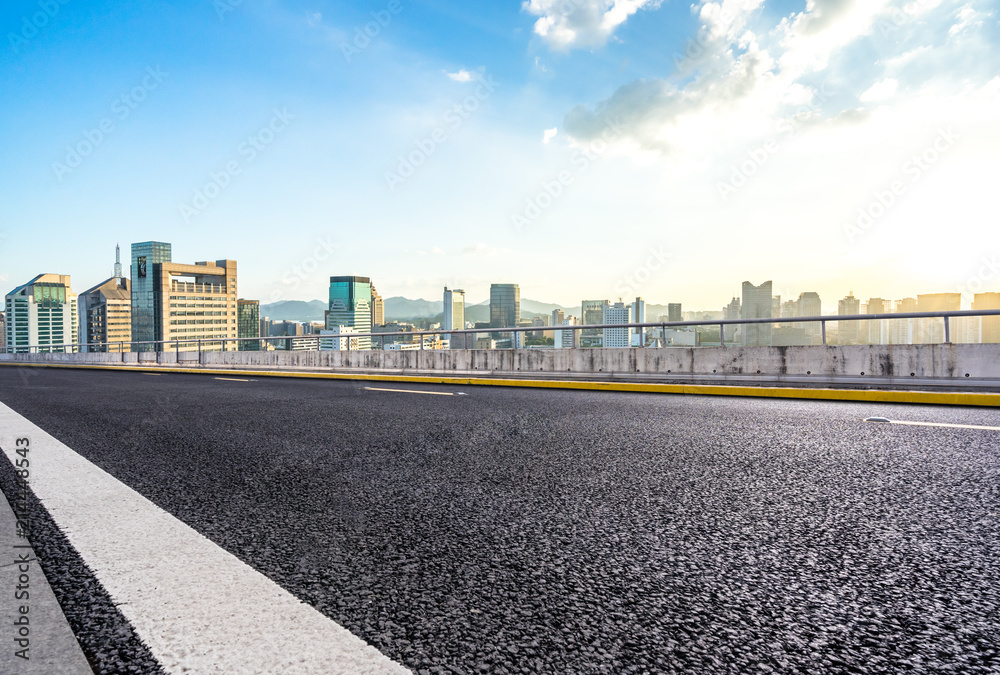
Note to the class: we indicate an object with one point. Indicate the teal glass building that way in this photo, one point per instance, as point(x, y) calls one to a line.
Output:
point(145, 274)
point(351, 306)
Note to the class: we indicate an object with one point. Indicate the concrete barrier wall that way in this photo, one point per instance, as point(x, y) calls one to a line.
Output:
point(926, 361)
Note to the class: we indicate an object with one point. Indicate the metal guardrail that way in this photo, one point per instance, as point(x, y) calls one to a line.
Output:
point(174, 345)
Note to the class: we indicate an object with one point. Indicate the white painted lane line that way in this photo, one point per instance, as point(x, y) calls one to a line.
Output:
point(198, 608)
point(417, 391)
point(932, 424)
point(232, 379)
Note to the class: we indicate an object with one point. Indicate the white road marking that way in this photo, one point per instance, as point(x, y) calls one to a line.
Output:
point(932, 424)
point(232, 379)
point(417, 391)
point(198, 608)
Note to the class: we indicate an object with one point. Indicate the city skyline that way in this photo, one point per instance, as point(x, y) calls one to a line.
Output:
point(827, 146)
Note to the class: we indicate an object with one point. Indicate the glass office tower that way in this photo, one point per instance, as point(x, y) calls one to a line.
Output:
point(146, 312)
point(350, 305)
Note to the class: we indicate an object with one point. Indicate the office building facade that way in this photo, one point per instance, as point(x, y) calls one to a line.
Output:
point(105, 315)
point(617, 337)
point(378, 308)
point(42, 312)
point(989, 331)
point(756, 303)
point(566, 339)
point(848, 331)
point(350, 306)
point(638, 316)
point(145, 287)
point(505, 305)
point(592, 313)
point(248, 324)
point(454, 318)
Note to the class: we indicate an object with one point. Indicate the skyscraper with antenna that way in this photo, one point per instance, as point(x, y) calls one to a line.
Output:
point(118, 262)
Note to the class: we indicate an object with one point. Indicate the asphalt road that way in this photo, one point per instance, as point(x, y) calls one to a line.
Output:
point(518, 530)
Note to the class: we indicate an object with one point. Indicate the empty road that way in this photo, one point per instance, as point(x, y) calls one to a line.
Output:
point(503, 530)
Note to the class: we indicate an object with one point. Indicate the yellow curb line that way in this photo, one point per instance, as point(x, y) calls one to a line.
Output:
point(863, 395)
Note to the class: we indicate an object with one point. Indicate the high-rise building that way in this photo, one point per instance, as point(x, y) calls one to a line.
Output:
point(989, 325)
point(592, 314)
point(674, 312)
point(505, 305)
point(903, 331)
point(3, 332)
point(847, 331)
point(105, 315)
point(350, 306)
point(248, 324)
point(42, 312)
point(565, 339)
point(931, 331)
point(175, 301)
point(146, 310)
point(454, 318)
point(809, 304)
point(617, 337)
point(378, 309)
point(757, 303)
point(732, 312)
point(638, 316)
point(877, 331)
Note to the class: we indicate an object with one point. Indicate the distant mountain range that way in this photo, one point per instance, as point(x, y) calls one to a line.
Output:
point(294, 310)
point(403, 309)
point(400, 309)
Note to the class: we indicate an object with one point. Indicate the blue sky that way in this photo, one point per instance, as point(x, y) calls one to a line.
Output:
point(581, 148)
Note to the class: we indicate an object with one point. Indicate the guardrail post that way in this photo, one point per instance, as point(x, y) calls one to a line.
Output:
point(947, 331)
point(663, 334)
point(722, 334)
point(822, 328)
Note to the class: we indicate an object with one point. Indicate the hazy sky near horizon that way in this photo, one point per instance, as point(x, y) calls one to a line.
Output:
point(580, 148)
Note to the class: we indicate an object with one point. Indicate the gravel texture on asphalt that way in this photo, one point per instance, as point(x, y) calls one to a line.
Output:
point(522, 531)
point(104, 634)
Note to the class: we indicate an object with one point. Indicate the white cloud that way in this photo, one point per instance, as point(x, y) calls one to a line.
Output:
point(461, 76)
point(437, 251)
point(566, 24)
point(968, 18)
point(741, 79)
point(315, 19)
point(549, 134)
point(880, 91)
